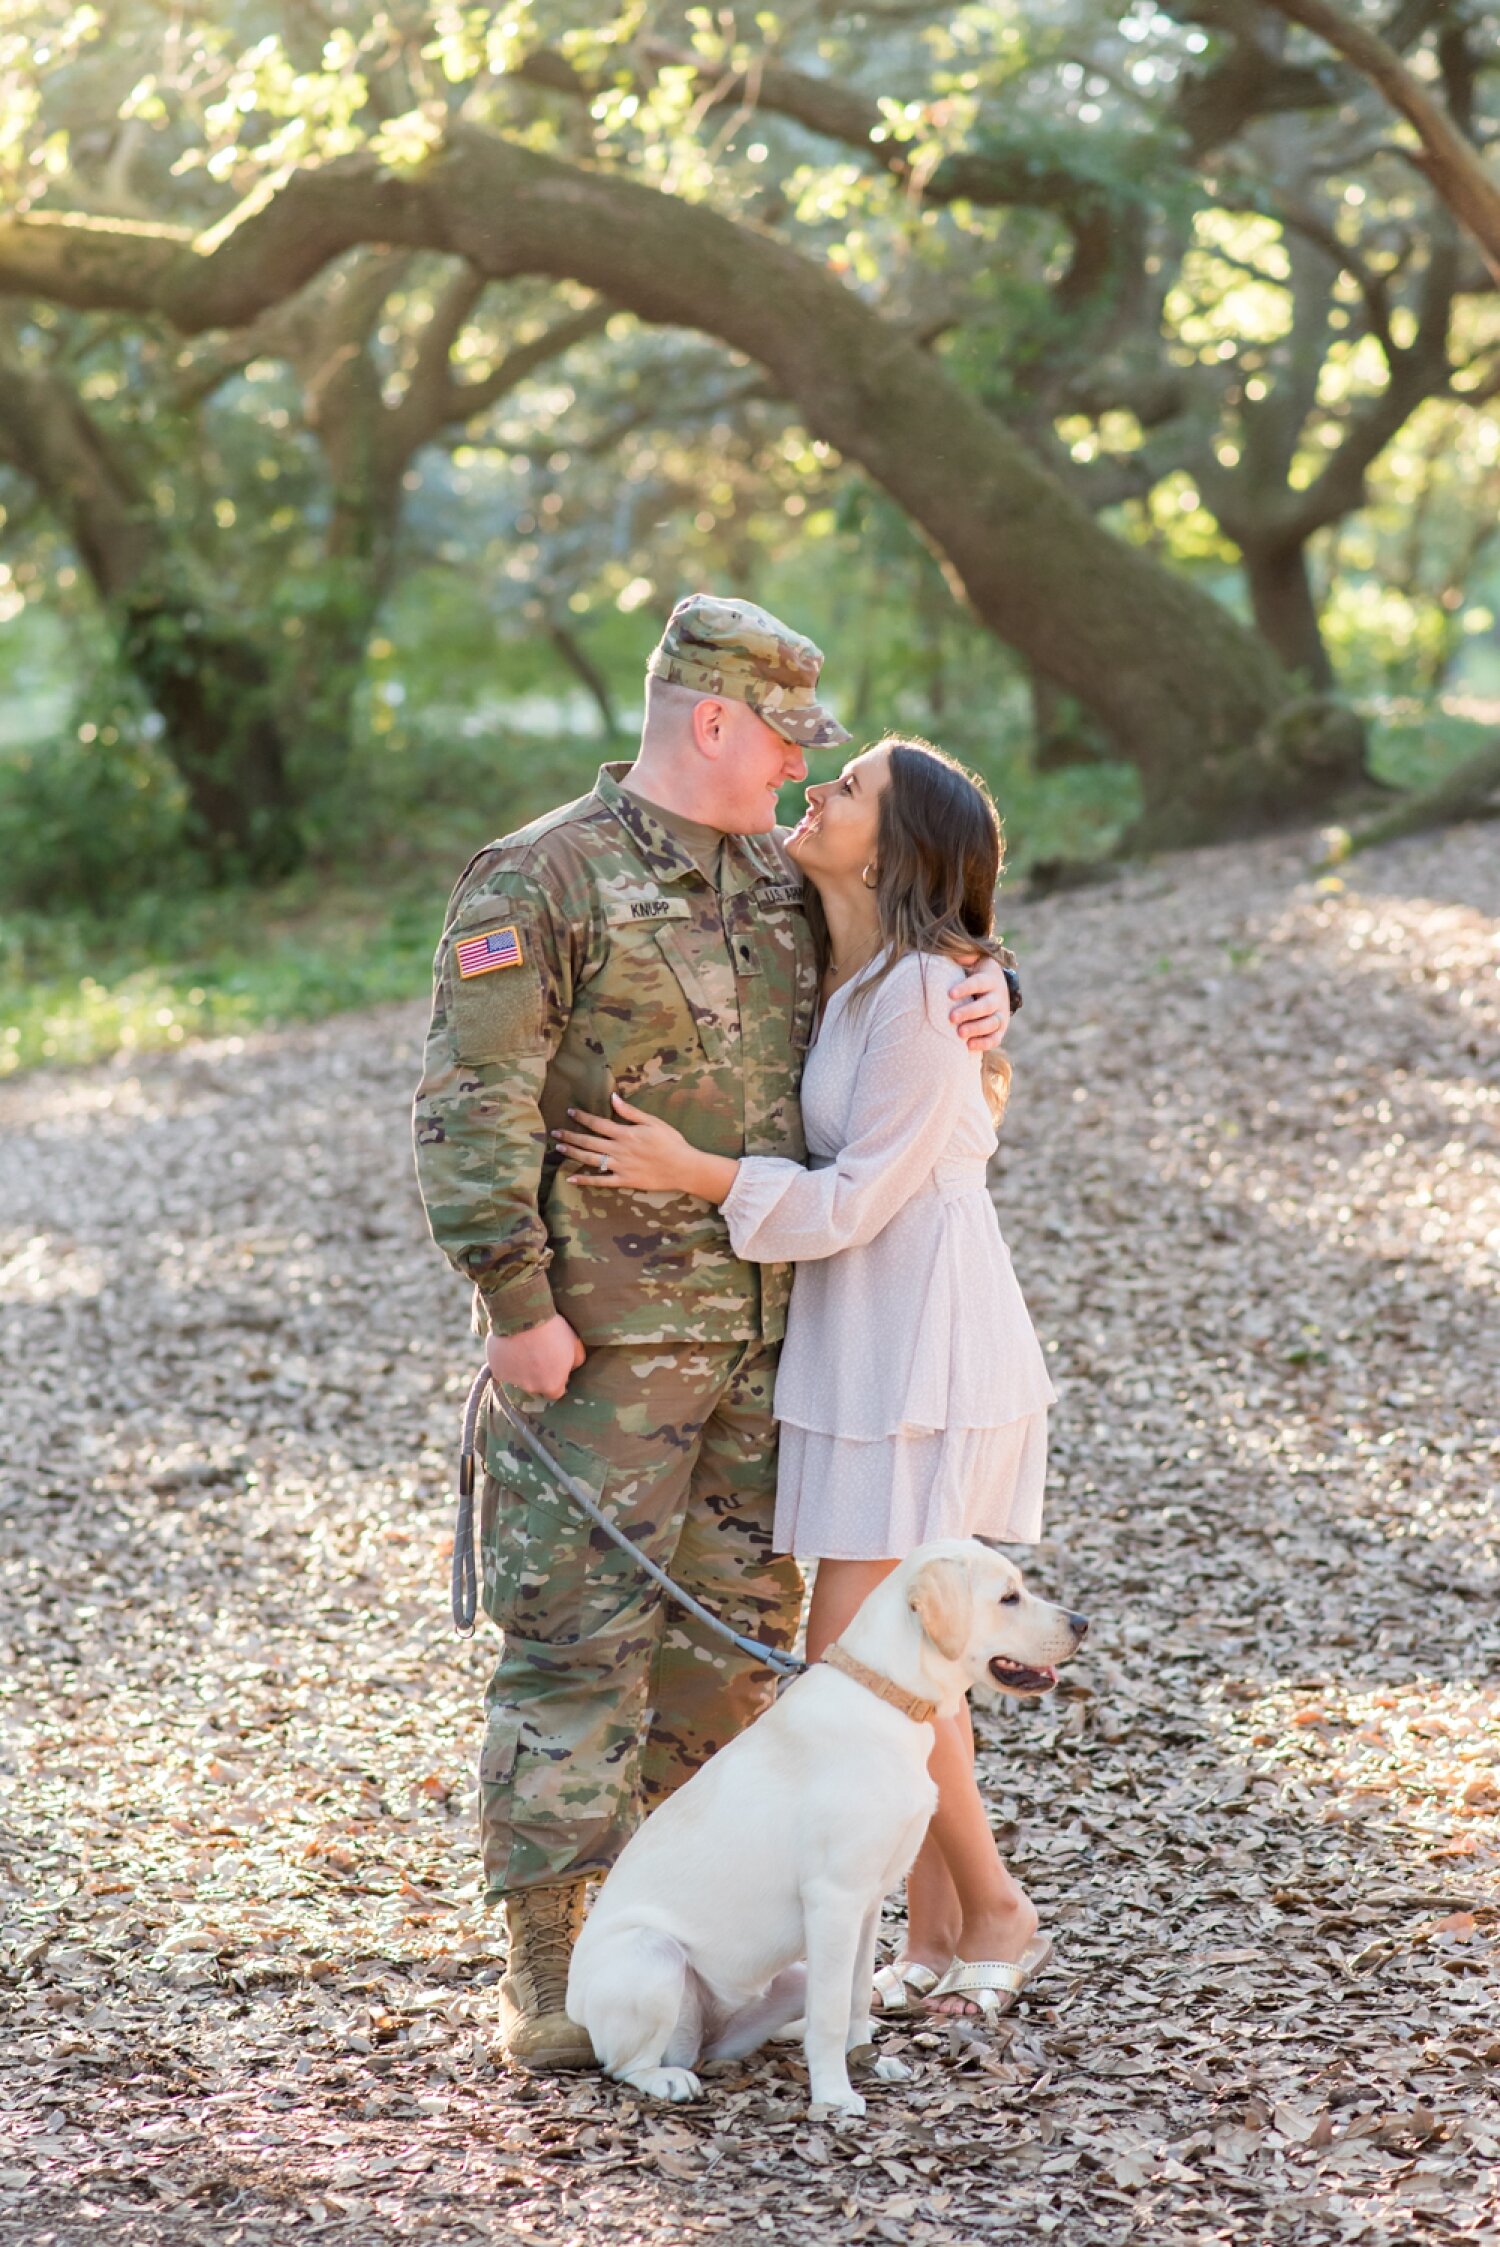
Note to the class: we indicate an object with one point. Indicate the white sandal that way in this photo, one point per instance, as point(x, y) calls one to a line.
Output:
point(896, 1985)
point(993, 1984)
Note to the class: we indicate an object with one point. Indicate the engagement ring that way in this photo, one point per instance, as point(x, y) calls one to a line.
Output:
point(602, 1161)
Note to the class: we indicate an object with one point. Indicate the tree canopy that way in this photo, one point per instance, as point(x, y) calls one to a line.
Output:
point(1128, 318)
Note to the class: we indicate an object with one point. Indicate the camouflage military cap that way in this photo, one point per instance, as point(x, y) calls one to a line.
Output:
point(737, 650)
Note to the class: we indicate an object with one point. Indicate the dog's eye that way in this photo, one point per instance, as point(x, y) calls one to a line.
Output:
point(1010, 1599)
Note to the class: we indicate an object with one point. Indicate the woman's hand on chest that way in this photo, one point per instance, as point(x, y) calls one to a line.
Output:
point(640, 1152)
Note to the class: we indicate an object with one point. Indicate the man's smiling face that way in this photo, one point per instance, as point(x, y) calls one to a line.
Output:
point(753, 764)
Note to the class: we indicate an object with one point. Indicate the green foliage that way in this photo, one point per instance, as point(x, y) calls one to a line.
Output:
point(1412, 583)
point(90, 822)
point(149, 964)
point(1415, 745)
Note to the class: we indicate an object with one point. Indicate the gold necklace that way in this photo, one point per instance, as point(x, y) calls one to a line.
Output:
point(842, 974)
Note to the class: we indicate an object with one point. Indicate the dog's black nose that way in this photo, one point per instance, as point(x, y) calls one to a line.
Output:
point(1078, 1624)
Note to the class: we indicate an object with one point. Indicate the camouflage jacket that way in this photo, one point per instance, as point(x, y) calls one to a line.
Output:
point(588, 954)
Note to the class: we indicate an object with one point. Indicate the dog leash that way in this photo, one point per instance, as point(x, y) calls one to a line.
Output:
point(465, 1580)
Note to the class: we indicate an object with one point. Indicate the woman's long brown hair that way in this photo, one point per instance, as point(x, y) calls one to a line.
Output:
point(938, 854)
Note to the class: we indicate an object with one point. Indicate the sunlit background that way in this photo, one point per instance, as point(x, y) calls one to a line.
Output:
point(422, 529)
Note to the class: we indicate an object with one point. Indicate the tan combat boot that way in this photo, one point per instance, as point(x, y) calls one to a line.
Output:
point(541, 1927)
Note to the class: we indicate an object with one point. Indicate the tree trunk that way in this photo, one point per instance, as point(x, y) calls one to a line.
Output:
point(359, 551)
point(212, 688)
point(322, 681)
point(197, 668)
point(933, 609)
point(1286, 614)
point(1062, 733)
point(587, 673)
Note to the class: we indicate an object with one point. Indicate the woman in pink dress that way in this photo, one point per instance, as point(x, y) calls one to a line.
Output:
point(912, 1394)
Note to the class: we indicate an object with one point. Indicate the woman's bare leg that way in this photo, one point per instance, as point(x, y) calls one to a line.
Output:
point(997, 1919)
point(960, 1899)
point(840, 1589)
point(934, 1915)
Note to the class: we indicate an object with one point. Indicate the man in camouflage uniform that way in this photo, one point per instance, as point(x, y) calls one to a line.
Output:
point(650, 940)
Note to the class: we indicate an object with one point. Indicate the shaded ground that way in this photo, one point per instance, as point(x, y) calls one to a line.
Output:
point(1252, 1185)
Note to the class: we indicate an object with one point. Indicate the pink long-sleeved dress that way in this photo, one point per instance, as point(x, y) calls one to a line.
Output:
point(912, 1393)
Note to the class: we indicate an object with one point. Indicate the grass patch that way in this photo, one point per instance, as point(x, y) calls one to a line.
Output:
point(74, 989)
point(359, 928)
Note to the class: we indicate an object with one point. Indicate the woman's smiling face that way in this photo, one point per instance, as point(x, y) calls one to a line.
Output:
point(836, 835)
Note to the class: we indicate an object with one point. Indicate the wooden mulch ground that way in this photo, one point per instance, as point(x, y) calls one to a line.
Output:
point(1252, 1187)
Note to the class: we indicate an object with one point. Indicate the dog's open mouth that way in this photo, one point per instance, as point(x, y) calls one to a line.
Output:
point(1017, 1678)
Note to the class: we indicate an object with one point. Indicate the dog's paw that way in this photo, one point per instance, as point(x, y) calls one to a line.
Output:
point(893, 2071)
point(675, 2084)
point(837, 2110)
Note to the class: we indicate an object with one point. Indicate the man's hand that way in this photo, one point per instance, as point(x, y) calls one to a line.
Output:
point(542, 1360)
point(981, 1005)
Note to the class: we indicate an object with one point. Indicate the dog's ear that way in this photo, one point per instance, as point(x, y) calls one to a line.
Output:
point(942, 1600)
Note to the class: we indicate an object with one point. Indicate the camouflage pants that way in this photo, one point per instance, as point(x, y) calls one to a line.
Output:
point(607, 1695)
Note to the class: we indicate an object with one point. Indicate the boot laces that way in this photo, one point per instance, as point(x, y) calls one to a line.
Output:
point(544, 1939)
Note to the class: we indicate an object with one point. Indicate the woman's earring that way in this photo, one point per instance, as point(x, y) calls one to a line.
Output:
point(865, 878)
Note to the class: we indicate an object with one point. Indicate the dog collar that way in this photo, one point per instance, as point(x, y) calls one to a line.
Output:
point(920, 1712)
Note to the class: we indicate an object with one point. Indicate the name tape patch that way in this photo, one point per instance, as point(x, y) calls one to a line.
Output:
point(481, 955)
point(627, 910)
point(779, 893)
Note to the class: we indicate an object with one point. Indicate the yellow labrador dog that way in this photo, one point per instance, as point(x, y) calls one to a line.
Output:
point(781, 1849)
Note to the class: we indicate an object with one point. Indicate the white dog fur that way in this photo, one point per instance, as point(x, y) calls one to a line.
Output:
point(782, 1848)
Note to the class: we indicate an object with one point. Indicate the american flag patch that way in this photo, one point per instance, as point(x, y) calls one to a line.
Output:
point(477, 955)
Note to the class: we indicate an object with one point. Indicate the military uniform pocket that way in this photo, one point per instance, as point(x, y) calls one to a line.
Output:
point(705, 1018)
point(645, 1004)
point(497, 1755)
